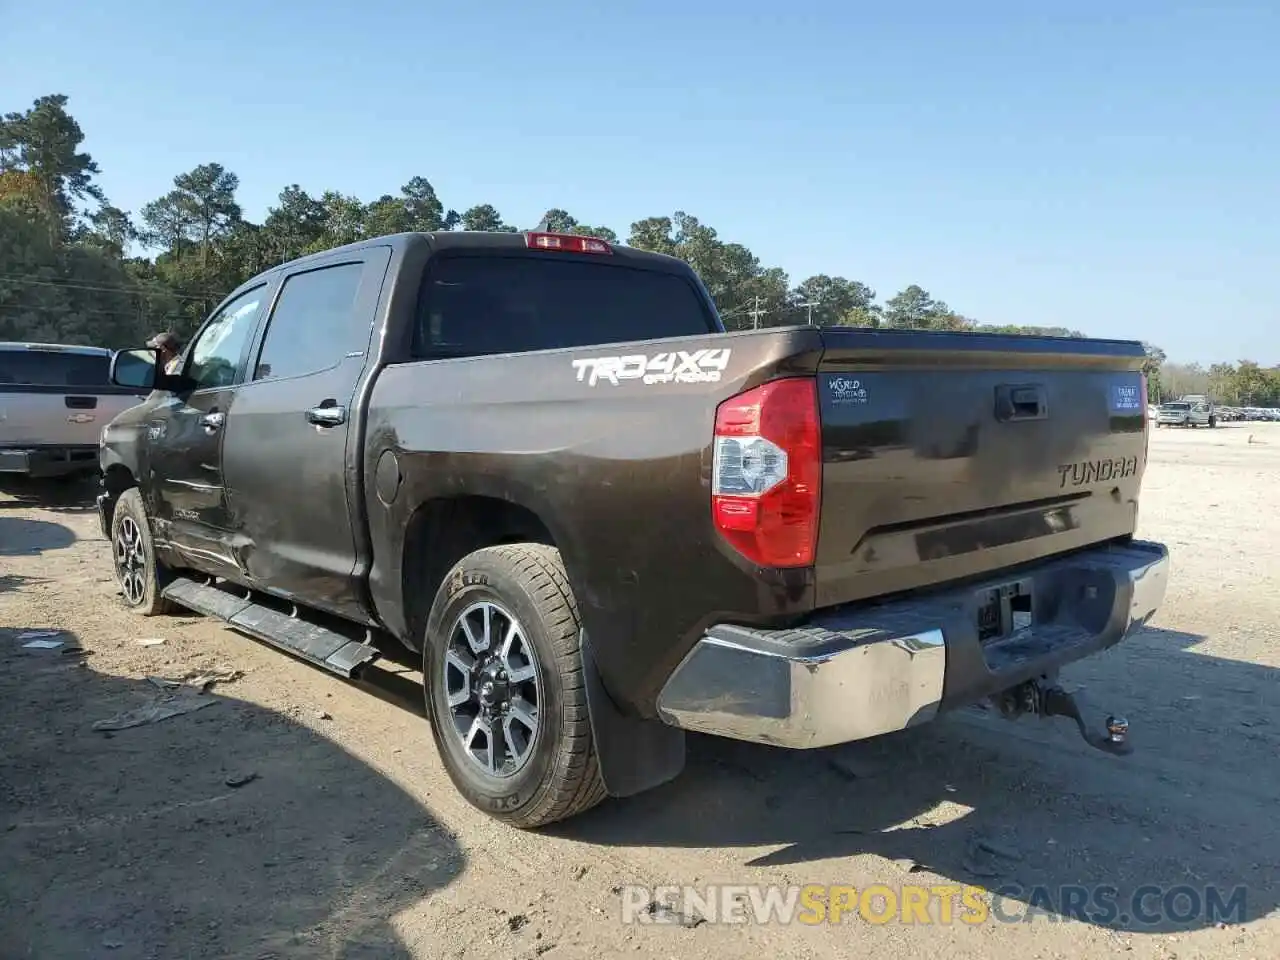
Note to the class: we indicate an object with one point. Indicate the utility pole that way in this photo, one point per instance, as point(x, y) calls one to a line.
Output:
point(809, 304)
point(755, 312)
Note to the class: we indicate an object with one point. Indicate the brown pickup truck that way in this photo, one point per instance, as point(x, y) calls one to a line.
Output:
point(539, 462)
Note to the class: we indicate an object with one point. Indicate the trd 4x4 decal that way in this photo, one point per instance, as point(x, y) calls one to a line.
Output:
point(698, 366)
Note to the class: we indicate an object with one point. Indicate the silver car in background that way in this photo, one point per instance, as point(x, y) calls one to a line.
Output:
point(54, 401)
point(1186, 413)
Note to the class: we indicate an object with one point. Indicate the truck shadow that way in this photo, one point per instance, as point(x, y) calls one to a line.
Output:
point(19, 536)
point(1023, 808)
point(227, 831)
point(63, 495)
point(395, 679)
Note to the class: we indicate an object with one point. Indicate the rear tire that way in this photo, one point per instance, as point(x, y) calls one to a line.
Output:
point(140, 576)
point(504, 685)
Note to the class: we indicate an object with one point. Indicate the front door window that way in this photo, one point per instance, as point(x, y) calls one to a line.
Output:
point(216, 355)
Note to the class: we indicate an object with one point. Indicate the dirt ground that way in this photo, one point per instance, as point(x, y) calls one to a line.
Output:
point(298, 815)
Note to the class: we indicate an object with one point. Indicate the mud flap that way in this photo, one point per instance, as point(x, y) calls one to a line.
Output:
point(634, 754)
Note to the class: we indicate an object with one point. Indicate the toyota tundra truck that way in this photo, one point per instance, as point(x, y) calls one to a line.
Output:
point(540, 463)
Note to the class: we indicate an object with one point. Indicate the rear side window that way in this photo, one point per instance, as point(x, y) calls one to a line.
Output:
point(313, 325)
point(51, 368)
point(492, 304)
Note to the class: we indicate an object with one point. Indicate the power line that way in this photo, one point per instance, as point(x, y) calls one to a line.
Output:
point(754, 310)
point(20, 311)
point(809, 304)
point(100, 288)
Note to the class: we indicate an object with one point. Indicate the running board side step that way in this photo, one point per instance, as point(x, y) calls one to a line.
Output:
point(308, 641)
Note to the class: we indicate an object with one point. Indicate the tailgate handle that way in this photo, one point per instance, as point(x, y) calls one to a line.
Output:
point(1020, 402)
point(82, 403)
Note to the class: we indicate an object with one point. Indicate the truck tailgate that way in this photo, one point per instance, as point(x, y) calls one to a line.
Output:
point(950, 455)
point(63, 418)
point(57, 395)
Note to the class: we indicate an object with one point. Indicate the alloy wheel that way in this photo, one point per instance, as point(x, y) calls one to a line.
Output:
point(490, 683)
point(131, 561)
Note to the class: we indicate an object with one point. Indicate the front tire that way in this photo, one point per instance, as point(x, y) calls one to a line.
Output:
point(140, 576)
point(504, 685)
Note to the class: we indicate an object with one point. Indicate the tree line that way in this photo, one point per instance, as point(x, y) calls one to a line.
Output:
point(1243, 384)
point(74, 268)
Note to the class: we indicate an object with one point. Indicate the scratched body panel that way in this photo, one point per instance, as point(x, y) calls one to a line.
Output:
point(617, 469)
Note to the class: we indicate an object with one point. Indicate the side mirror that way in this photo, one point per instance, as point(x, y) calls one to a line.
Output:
point(135, 369)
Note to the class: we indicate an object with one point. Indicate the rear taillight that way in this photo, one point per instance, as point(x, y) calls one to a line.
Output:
point(766, 483)
point(566, 243)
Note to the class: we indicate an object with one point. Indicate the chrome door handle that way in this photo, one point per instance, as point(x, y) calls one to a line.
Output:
point(212, 421)
point(327, 416)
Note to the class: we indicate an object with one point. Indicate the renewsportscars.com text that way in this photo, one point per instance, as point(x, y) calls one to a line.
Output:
point(941, 904)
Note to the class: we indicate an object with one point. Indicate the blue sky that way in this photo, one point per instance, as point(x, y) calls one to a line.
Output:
point(1111, 167)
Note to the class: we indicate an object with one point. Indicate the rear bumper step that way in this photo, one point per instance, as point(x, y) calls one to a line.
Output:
point(858, 672)
point(311, 642)
point(46, 462)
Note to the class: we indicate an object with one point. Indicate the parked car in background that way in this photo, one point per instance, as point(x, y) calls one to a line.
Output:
point(1175, 413)
point(54, 401)
point(1186, 413)
point(1203, 411)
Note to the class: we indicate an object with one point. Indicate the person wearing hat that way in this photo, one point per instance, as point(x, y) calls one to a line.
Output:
point(166, 345)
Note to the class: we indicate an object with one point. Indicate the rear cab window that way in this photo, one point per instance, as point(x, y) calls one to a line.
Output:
point(54, 368)
point(472, 305)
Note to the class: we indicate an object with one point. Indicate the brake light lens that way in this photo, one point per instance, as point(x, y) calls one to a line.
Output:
point(766, 481)
point(567, 243)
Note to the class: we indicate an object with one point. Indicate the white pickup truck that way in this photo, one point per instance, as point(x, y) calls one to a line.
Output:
point(54, 401)
point(1190, 411)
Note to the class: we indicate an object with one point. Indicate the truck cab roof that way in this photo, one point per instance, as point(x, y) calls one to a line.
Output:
point(478, 240)
point(74, 348)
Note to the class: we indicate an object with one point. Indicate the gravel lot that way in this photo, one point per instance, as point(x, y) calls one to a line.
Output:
point(301, 816)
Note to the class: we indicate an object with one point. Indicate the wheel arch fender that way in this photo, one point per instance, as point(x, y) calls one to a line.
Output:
point(634, 753)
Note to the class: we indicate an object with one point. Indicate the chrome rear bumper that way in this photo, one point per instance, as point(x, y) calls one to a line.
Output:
point(858, 672)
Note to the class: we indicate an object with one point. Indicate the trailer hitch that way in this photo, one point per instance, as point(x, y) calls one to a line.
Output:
point(1109, 734)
